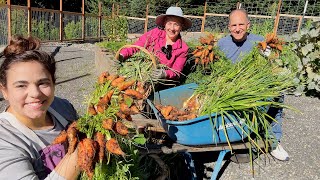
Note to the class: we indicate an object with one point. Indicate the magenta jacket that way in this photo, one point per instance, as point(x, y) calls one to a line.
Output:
point(153, 40)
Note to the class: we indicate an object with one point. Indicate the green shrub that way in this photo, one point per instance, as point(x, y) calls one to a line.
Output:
point(307, 47)
point(73, 30)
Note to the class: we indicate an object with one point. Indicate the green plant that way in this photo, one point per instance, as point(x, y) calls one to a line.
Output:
point(307, 47)
point(44, 31)
point(73, 30)
point(115, 28)
point(112, 46)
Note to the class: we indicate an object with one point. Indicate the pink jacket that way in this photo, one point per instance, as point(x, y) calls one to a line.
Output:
point(153, 40)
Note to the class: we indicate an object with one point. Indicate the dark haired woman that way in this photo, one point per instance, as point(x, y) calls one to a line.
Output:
point(34, 116)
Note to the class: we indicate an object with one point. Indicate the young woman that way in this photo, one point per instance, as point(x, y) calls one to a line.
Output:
point(33, 117)
point(166, 43)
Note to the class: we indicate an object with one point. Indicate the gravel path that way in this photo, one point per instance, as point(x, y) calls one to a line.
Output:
point(76, 77)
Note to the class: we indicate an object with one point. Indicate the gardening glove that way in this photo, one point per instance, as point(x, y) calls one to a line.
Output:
point(266, 52)
point(158, 74)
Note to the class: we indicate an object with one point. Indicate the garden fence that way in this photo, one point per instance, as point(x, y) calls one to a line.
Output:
point(287, 16)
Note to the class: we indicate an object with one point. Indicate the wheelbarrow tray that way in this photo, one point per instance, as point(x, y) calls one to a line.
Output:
point(203, 130)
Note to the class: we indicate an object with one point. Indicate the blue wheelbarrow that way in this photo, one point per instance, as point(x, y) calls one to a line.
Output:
point(208, 130)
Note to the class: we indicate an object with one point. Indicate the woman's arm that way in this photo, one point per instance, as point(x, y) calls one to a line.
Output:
point(143, 41)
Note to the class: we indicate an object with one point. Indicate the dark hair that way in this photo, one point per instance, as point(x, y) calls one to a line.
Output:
point(22, 49)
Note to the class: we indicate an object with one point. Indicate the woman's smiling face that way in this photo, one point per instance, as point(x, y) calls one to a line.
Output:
point(29, 90)
point(173, 27)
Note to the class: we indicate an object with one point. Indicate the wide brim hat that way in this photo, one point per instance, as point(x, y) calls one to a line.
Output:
point(174, 11)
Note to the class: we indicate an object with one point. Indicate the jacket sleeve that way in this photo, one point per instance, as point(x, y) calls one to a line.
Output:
point(142, 42)
point(177, 67)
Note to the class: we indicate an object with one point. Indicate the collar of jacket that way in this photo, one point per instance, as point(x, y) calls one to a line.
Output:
point(176, 45)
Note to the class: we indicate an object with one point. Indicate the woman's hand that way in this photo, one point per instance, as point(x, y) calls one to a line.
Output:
point(158, 74)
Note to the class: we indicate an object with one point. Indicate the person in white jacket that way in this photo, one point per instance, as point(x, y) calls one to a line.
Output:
point(34, 117)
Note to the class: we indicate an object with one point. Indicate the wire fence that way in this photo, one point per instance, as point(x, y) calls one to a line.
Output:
point(55, 25)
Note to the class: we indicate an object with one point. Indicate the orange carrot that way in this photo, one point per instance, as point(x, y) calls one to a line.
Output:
point(115, 82)
point(125, 85)
point(165, 111)
point(103, 77)
point(134, 109)
point(86, 154)
point(100, 138)
point(107, 124)
point(101, 107)
point(61, 138)
point(112, 77)
point(110, 93)
point(72, 139)
point(121, 128)
point(91, 110)
point(133, 93)
point(113, 147)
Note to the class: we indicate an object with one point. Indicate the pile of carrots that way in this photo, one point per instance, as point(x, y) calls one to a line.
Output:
point(121, 97)
point(189, 110)
point(204, 53)
point(273, 42)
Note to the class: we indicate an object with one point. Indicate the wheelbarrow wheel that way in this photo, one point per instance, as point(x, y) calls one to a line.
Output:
point(242, 157)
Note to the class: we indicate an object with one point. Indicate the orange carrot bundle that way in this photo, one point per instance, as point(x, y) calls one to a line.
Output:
point(86, 154)
point(100, 138)
point(133, 93)
point(113, 147)
point(121, 129)
point(61, 138)
point(107, 124)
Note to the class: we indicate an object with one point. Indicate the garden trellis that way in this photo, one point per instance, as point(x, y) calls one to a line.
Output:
point(59, 25)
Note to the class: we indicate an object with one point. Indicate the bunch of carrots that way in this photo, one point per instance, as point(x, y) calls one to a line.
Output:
point(204, 53)
point(97, 133)
point(188, 111)
point(273, 42)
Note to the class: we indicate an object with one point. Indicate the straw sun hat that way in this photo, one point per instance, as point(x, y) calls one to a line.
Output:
point(174, 11)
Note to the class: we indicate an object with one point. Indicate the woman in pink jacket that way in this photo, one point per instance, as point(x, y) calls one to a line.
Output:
point(165, 43)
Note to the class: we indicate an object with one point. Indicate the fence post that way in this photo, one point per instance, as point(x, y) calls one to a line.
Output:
point(112, 11)
point(147, 19)
point(9, 20)
point(302, 17)
point(204, 16)
point(29, 17)
point(276, 22)
point(99, 20)
point(83, 22)
point(61, 22)
point(238, 5)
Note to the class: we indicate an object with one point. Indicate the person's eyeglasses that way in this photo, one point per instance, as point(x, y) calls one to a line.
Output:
point(167, 50)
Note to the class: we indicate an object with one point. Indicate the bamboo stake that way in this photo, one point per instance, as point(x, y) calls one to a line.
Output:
point(61, 22)
point(99, 20)
point(83, 22)
point(302, 17)
point(29, 17)
point(276, 23)
point(204, 16)
point(9, 20)
point(147, 19)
